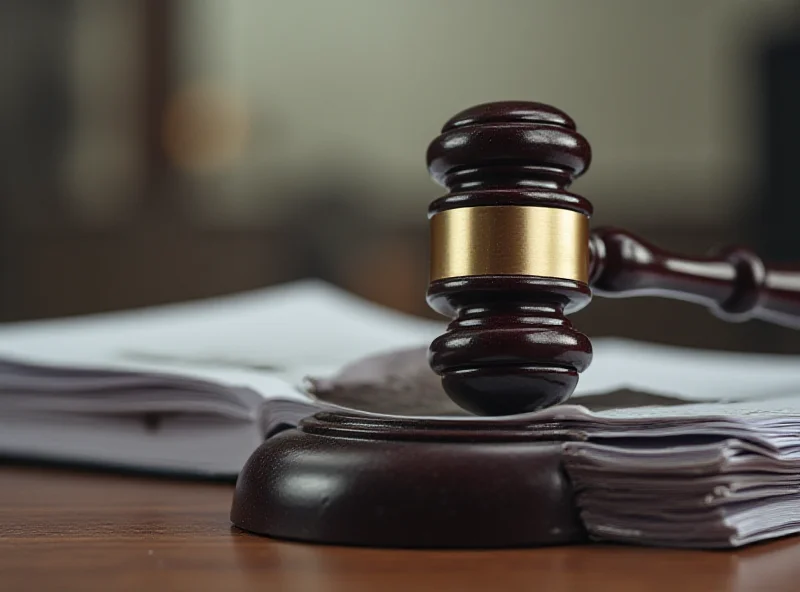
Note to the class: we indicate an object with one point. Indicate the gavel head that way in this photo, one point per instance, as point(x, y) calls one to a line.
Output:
point(509, 257)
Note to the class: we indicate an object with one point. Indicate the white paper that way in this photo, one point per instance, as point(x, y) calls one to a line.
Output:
point(269, 339)
point(722, 470)
point(689, 373)
point(266, 340)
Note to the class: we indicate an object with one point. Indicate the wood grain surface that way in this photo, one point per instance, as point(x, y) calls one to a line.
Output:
point(68, 530)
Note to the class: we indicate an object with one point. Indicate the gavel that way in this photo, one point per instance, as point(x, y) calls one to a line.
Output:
point(512, 255)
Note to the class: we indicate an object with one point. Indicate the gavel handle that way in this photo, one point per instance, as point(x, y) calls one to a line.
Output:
point(735, 284)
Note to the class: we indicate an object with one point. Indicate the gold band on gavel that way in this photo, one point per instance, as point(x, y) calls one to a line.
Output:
point(510, 240)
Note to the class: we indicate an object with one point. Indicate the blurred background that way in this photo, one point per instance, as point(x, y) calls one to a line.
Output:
point(161, 150)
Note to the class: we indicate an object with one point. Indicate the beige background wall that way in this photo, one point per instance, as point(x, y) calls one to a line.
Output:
point(661, 88)
point(297, 89)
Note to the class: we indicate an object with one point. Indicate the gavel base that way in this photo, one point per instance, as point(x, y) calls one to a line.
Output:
point(424, 483)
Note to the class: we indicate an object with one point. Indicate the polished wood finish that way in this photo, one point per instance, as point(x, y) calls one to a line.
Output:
point(85, 532)
point(735, 283)
point(408, 482)
point(510, 348)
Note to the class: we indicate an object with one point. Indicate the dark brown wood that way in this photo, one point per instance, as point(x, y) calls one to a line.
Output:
point(409, 483)
point(84, 532)
point(510, 347)
point(735, 284)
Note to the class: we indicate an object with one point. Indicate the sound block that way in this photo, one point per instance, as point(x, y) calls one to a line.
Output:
point(409, 482)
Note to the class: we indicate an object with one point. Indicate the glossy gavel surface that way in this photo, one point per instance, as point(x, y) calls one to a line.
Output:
point(734, 283)
point(512, 256)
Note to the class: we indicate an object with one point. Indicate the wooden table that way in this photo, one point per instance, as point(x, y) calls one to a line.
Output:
point(66, 530)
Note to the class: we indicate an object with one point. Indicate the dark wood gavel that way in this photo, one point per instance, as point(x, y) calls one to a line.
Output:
point(512, 255)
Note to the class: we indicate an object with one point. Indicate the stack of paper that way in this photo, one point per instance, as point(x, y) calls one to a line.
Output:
point(695, 479)
point(671, 446)
point(189, 388)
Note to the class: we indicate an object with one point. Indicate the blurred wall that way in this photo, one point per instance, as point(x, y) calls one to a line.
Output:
point(664, 91)
point(162, 150)
point(103, 165)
